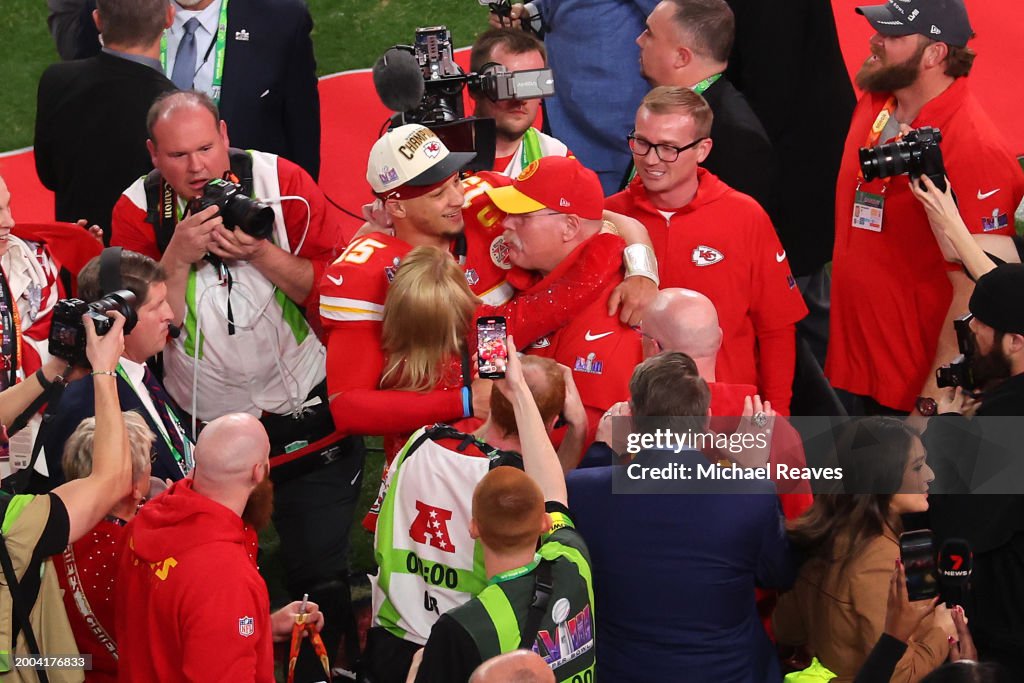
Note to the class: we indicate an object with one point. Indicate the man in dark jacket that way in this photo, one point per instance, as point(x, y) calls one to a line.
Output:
point(90, 139)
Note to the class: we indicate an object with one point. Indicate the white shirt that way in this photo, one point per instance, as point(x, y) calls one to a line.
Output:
point(206, 35)
point(135, 372)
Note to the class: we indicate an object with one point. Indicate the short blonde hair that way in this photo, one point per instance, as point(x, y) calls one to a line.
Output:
point(672, 99)
point(427, 314)
point(77, 460)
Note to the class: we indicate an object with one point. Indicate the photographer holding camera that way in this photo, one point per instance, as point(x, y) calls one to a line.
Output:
point(239, 274)
point(36, 527)
point(993, 525)
point(889, 293)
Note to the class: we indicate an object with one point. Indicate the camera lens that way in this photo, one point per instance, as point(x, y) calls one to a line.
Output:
point(254, 218)
point(883, 161)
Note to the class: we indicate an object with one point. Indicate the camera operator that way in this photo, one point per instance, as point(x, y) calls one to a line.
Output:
point(518, 142)
point(889, 294)
point(993, 525)
point(592, 52)
point(240, 283)
point(36, 527)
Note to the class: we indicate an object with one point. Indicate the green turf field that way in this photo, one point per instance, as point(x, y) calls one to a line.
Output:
point(348, 34)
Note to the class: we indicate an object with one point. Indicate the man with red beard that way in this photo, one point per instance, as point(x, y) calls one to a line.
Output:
point(190, 560)
point(892, 306)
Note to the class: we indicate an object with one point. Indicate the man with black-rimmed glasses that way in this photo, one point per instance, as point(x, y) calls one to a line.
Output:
point(710, 238)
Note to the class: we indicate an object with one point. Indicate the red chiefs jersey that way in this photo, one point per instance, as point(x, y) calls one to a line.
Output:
point(890, 291)
point(723, 245)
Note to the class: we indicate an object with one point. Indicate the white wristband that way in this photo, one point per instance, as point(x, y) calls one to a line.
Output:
point(640, 260)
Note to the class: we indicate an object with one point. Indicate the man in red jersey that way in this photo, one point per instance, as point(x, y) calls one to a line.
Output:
point(893, 295)
point(713, 239)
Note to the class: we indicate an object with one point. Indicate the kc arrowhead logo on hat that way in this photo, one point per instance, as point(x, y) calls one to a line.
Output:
point(411, 155)
point(562, 184)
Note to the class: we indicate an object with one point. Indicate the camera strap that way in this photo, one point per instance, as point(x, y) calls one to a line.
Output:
point(162, 200)
point(10, 329)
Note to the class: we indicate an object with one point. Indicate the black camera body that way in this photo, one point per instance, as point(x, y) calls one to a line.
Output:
point(255, 218)
point(958, 373)
point(67, 330)
point(917, 154)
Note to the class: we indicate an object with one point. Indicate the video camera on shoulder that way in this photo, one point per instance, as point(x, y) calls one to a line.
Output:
point(67, 330)
point(916, 154)
point(253, 217)
point(958, 373)
point(423, 84)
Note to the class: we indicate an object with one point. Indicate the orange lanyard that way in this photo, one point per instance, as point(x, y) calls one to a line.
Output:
point(875, 134)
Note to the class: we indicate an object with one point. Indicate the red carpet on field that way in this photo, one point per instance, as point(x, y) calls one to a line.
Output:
point(352, 114)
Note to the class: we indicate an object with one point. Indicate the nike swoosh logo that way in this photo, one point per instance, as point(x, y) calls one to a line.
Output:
point(336, 280)
point(986, 195)
point(595, 337)
point(781, 256)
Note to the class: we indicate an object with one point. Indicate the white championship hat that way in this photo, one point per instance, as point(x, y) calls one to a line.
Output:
point(411, 155)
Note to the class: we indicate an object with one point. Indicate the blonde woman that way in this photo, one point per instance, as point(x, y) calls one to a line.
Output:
point(428, 318)
point(87, 568)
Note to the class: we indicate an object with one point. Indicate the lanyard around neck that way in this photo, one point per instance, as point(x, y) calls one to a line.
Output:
point(184, 460)
point(699, 88)
point(216, 46)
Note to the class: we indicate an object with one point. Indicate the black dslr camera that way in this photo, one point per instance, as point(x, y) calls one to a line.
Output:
point(67, 331)
point(958, 373)
point(238, 211)
point(917, 154)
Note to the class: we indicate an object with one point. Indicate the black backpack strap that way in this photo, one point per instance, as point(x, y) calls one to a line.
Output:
point(497, 456)
point(21, 610)
point(241, 166)
point(161, 200)
point(543, 585)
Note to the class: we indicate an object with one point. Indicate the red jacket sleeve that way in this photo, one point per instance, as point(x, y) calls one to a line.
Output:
point(777, 364)
point(321, 242)
point(354, 366)
point(129, 229)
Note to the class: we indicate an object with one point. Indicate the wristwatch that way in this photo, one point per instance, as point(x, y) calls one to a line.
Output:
point(926, 405)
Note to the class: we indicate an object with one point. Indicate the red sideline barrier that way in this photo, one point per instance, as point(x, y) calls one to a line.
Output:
point(352, 114)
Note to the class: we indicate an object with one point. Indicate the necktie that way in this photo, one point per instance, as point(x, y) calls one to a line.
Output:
point(185, 59)
point(163, 403)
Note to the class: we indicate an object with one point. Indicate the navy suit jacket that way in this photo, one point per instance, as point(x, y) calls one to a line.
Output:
point(78, 403)
point(674, 575)
point(269, 95)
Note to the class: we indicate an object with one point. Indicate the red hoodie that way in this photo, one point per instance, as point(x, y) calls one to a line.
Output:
point(190, 604)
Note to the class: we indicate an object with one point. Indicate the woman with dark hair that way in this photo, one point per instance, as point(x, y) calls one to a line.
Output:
point(851, 542)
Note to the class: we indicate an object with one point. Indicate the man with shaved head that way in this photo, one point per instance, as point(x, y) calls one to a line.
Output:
point(190, 562)
point(518, 666)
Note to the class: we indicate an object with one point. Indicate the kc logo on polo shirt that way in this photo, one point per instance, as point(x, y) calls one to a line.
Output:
point(706, 256)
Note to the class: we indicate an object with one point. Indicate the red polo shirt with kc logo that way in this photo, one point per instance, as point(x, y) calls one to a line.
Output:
point(722, 244)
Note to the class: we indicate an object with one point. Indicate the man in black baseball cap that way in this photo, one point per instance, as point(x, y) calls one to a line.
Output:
point(998, 326)
point(942, 20)
point(915, 77)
